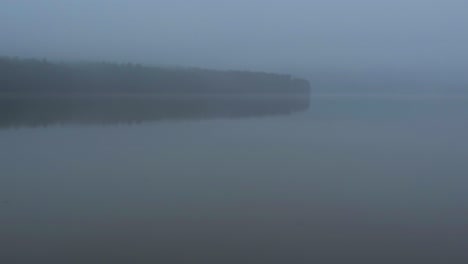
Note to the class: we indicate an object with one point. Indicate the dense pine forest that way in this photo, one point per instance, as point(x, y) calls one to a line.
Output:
point(19, 76)
point(38, 93)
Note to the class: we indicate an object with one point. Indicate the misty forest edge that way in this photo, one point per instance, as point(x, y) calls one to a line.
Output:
point(34, 76)
point(41, 93)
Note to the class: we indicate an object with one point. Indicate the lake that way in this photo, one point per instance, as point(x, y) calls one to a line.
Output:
point(353, 179)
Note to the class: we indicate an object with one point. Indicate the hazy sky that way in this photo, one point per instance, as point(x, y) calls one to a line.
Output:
point(242, 34)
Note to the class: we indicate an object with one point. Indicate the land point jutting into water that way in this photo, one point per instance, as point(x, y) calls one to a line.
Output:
point(38, 92)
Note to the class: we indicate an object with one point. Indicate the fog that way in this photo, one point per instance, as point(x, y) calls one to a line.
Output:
point(296, 36)
point(368, 180)
point(217, 131)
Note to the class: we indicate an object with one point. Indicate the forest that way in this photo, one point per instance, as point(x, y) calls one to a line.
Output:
point(32, 76)
point(40, 93)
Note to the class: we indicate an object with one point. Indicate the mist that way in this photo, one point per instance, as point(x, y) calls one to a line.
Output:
point(295, 36)
point(215, 131)
point(368, 179)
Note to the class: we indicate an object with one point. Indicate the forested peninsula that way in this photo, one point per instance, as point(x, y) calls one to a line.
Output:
point(40, 93)
point(20, 76)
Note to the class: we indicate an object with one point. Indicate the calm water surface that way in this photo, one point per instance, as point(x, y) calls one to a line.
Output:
point(355, 179)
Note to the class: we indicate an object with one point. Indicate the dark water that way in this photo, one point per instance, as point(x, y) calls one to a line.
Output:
point(355, 179)
point(45, 110)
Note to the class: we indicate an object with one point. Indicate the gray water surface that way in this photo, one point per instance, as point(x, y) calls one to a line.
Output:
point(355, 179)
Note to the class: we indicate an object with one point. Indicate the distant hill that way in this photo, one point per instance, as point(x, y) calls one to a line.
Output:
point(33, 76)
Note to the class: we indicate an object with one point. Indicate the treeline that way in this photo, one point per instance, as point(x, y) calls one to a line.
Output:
point(31, 76)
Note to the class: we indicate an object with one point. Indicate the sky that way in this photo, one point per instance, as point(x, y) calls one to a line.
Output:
point(267, 35)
